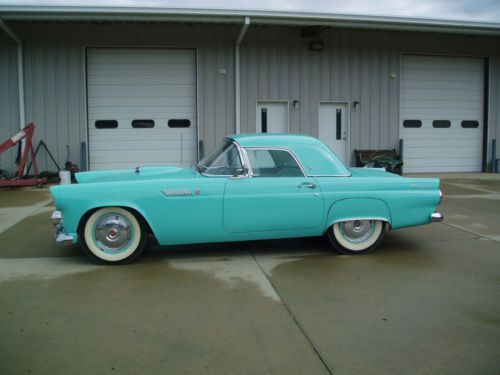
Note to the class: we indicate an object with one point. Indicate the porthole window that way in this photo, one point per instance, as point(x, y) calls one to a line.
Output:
point(412, 124)
point(441, 123)
point(470, 124)
point(179, 123)
point(106, 124)
point(143, 124)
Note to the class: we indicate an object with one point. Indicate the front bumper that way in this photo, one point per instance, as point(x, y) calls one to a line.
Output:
point(436, 217)
point(60, 236)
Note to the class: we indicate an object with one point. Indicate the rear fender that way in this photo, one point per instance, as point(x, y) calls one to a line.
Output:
point(358, 209)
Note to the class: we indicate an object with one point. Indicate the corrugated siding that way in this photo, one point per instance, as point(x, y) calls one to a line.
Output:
point(276, 64)
point(355, 65)
point(494, 108)
point(9, 103)
point(55, 76)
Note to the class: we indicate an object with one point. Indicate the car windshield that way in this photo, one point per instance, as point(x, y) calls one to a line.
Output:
point(224, 160)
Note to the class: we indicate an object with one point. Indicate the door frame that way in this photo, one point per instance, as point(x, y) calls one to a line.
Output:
point(348, 125)
point(287, 102)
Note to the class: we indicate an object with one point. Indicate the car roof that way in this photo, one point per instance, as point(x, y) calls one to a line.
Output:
point(272, 139)
point(316, 158)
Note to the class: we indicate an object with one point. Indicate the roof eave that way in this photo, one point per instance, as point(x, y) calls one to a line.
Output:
point(61, 13)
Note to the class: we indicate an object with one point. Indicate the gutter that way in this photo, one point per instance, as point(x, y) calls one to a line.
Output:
point(158, 14)
point(237, 86)
point(20, 71)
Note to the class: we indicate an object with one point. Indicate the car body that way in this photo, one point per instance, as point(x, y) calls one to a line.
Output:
point(250, 187)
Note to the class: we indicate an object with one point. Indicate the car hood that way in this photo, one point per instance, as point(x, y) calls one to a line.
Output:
point(138, 174)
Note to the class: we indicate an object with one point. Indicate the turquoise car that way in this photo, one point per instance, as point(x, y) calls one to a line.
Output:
point(250, 187)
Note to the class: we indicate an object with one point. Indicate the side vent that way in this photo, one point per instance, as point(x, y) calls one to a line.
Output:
point(177, 193)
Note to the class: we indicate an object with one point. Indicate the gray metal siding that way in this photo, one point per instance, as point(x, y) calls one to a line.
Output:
point(55, 76)
point(355, 65)
point(9, 103)
point(276, 64)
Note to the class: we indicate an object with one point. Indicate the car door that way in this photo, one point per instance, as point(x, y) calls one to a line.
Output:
point(277, 196)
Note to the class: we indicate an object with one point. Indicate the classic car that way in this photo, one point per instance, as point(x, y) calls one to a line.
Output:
point(250, 187)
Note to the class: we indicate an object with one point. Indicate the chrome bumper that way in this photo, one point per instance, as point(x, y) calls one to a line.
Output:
point(436, 217)
point(60, 236)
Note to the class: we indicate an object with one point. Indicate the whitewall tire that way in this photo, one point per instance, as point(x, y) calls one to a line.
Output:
point(113, 235)
point(356, 236)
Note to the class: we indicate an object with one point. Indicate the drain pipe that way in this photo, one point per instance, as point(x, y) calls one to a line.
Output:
point(20, 72)
point(237, 96)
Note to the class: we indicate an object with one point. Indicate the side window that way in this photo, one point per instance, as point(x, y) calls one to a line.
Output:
point(273, 163)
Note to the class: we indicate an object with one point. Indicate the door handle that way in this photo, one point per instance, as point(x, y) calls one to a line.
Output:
point(309, 185)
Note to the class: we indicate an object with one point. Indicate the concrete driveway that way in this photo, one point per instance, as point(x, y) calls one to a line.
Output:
point(427, 301)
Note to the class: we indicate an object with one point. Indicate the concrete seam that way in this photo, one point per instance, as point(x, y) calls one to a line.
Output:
point(294, 318)
point(471, 232)
point(37, 208)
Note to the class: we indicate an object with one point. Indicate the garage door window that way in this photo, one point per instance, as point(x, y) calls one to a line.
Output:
point(470, 124)
point(182, 123)
point(412, 123)
point(441, 123)
point(106, 124)
point(143, 124)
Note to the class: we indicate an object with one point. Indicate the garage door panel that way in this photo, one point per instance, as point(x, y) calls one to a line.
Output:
point(442, 88)
point(126, 84)
point(186, 102)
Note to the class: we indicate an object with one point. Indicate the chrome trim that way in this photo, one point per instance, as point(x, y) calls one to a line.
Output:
point(177, 192)
point(329, 175)
point(304, 173)
point(436, 217)
point(244, 162)
point(440, 196)
point(62, 237)
point(56, 217)
point(354, 218)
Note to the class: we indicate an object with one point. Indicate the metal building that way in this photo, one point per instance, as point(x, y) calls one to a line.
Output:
point(120, 87)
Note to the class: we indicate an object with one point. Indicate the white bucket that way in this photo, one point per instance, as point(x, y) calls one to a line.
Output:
point(65, 177)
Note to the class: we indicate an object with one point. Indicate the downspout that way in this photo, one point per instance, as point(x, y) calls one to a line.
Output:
point(20, 72)
point(237, 95)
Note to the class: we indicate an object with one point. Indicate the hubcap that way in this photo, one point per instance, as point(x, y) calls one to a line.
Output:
point(112, 232)
point(357, 230)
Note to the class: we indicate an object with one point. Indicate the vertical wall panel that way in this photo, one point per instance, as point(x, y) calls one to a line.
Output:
point(55, 77)
point(276, 64)
point(9, 103)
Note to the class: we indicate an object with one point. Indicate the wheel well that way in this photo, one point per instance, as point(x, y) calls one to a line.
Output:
point(136, 213)
point(387, 223)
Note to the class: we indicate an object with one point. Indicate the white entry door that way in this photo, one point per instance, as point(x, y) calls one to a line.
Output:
point(334, 128)
point(272, 117)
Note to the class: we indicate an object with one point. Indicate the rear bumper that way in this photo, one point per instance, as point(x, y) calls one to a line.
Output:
point(60, 235)
point(436, 217)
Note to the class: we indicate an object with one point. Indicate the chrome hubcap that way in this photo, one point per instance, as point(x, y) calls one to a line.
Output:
point(357, 230)
point(112, 232)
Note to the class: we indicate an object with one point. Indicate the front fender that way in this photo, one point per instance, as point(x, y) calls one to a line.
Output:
point(358, 208)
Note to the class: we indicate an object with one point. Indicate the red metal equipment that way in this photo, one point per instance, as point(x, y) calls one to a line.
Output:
point(27, 133)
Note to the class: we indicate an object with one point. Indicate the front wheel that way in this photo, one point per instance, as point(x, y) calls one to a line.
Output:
point(113, 235)
point(356, 236)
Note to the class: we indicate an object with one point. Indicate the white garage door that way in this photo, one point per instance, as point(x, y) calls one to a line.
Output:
point(442, 113)
point(141, 107)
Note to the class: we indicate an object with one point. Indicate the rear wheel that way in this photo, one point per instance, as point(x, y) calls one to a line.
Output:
point(113, 235)
point(356, 236)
